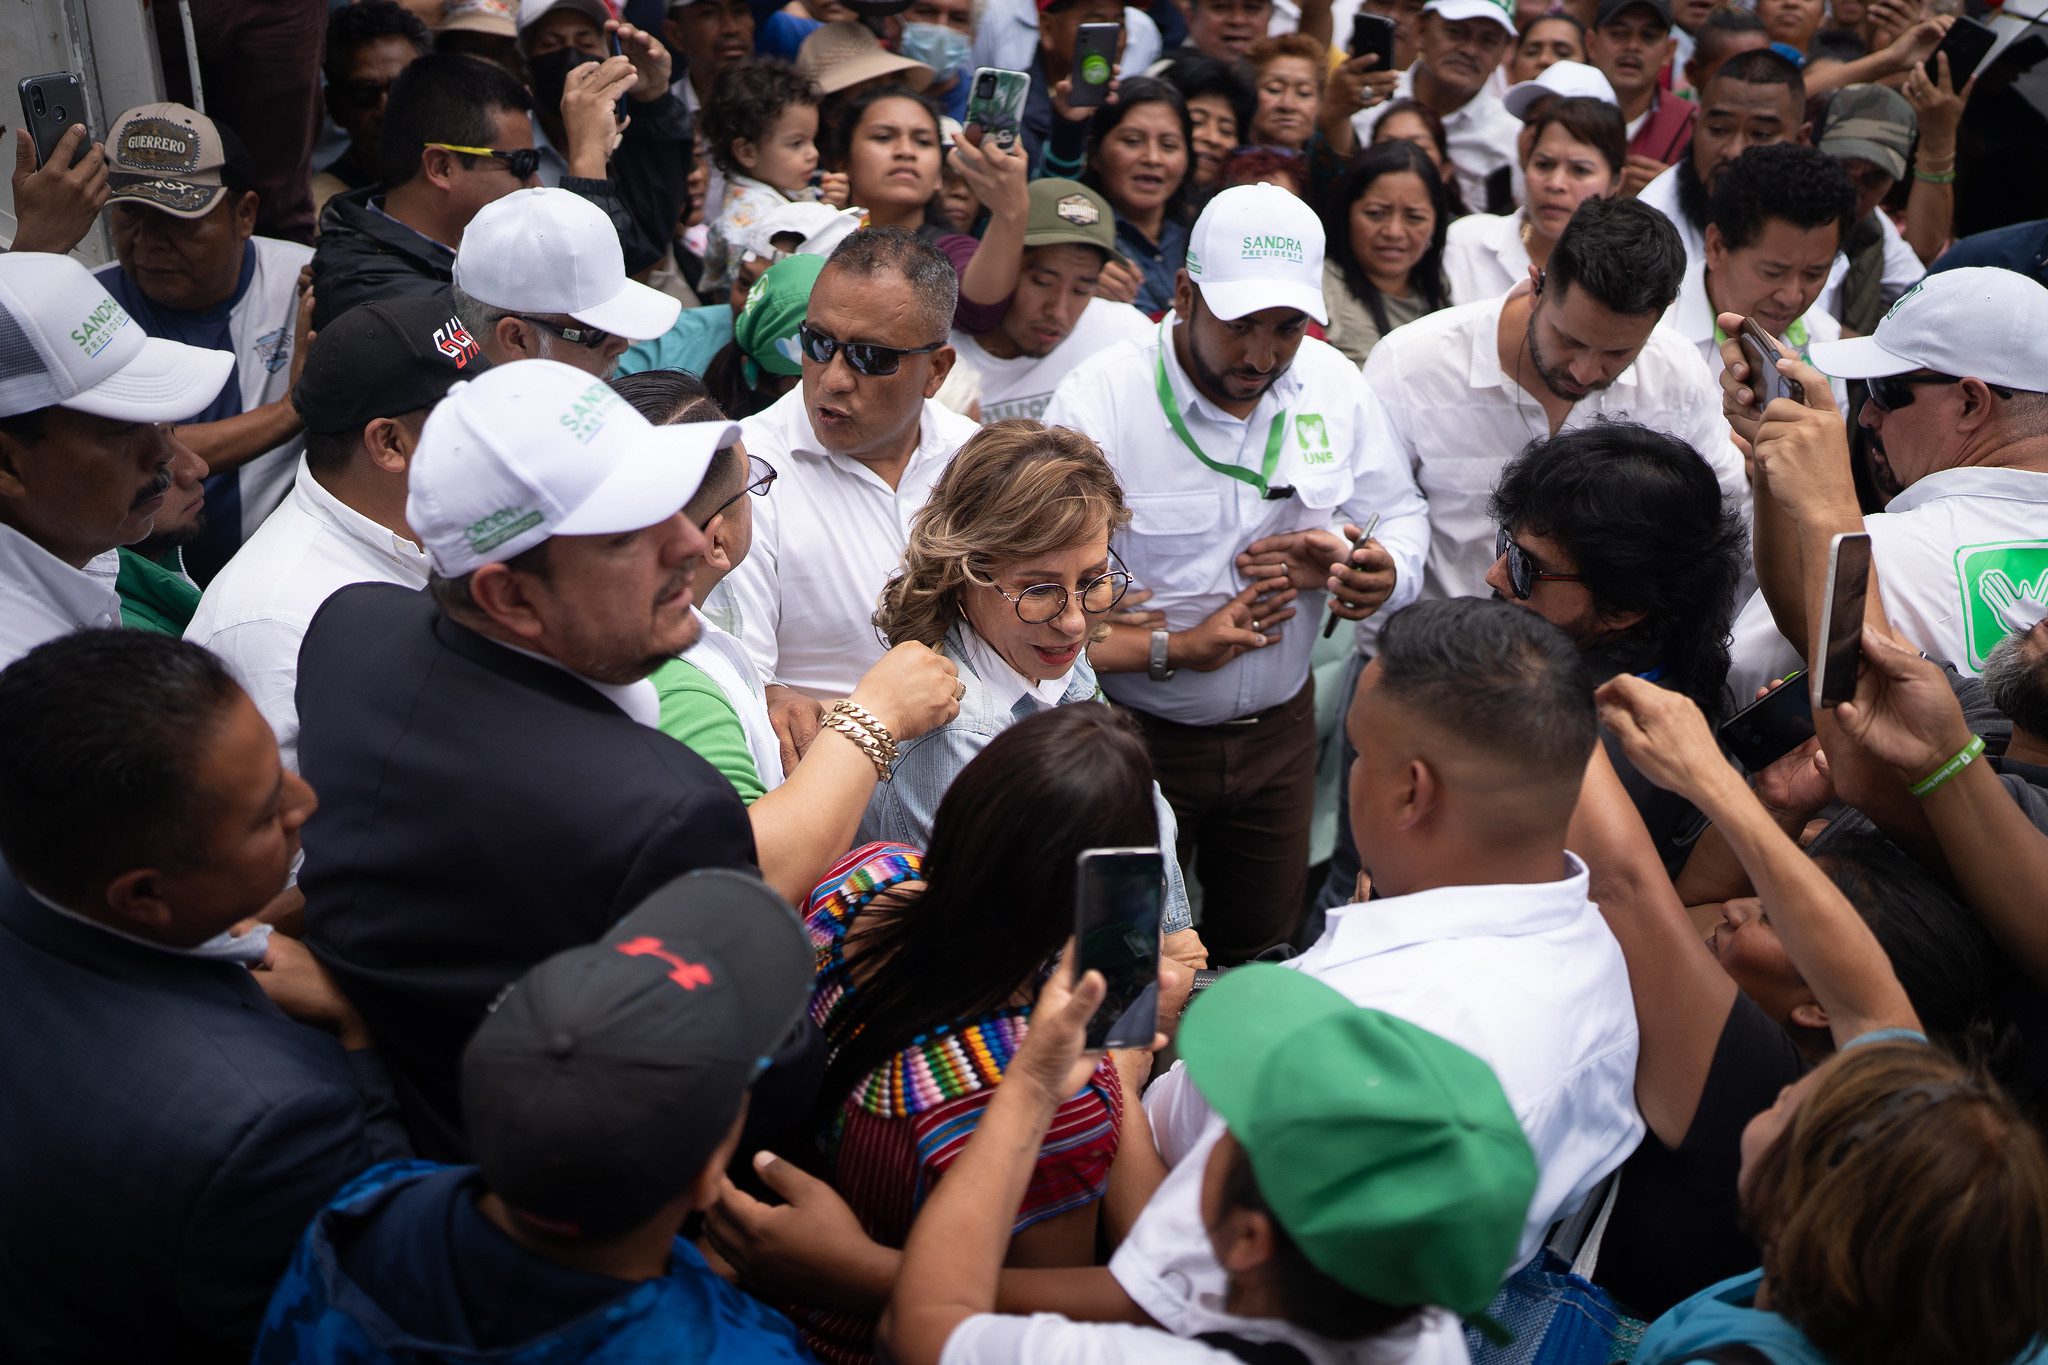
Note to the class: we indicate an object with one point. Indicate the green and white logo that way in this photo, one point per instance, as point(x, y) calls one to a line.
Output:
point(1312, 436)
point(490, 532)
point(1267, 246)
point(1893, 311)
point(1095, 69)
point(93, 335)
point(588, 414)
point(1995, 578)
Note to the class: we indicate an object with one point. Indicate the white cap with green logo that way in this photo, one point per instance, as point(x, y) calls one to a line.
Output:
point(536, 449)
point(65, 342)
point(1256, 247)
point(1975, 322)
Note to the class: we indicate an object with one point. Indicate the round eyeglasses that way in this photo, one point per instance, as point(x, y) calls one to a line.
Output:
point(1044, 602)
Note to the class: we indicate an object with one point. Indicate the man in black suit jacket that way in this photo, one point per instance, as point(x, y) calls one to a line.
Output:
point(168, 1131)
point(493, 788)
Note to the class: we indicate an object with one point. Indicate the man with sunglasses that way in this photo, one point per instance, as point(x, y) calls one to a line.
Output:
point(1957, 426)
point(1249, 453)
point(858, 444)
point(540, 276)
point(368, 45)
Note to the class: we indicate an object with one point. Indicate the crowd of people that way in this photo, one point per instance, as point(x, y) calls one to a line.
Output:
point(574, 593)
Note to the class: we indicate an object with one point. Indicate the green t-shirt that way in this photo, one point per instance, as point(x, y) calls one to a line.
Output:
point(694, 711)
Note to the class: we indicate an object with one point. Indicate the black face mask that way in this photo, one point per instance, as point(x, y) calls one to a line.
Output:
point(548, 76)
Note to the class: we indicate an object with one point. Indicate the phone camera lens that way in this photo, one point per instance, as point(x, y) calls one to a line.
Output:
point(59, 113)
point(986, 88)
point(37, 96)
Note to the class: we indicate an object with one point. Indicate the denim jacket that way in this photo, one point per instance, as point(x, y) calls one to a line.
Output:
point(901, 809)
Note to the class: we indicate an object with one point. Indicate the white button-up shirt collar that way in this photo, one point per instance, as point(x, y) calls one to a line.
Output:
point(1481, 133)
point(1005, 683)
point(42, 597)
point(827, 538)
point(1692, 316)
point(1189, 522)
point(1527, 977)
point(1458, 418)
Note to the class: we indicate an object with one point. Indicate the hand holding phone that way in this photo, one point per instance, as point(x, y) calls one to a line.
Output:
point(1095, 53)
point(1841, 620)
point(995, 103)
point(1966, 44)
point(1372, 35)
point(1766, 381)
point(1365, 533)
point(50, 105)
point(1770, 727)
point(1120, 896)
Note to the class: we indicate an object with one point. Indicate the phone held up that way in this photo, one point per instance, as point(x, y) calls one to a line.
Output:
point(1770, 727)
point(1841, 620)
point(995, 104)
point(1373, 35)
point(1765, 379)
point(50, 105)
point(1094, 64)
point(1120, 895)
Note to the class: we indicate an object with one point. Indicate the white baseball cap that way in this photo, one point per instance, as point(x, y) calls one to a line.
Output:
point(821, 226)
point(536, 448)
point(551, 251)
point(1566, 80)
point(1258, 246)
point(530, 11)
point(1502, 12)
point(64, 342)
point(1977, 322)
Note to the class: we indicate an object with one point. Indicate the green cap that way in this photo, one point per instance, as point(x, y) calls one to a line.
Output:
point(1390, 1156)
point(1870, 123)
point(1067, 212)
point(775, 308)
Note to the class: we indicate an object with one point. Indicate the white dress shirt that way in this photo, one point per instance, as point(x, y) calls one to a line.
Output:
point(1459, 419)
point(1484, 256)
point(1022, 385)
point(1006, 36)
point(1527, 978)
point(255, 612)
point(1481, 133)
point(1661, 194)
point(827, 538)
point(1691, 315)
point(1951, 553)
point(724, 660)
point(42, 597)
point(1189, 523)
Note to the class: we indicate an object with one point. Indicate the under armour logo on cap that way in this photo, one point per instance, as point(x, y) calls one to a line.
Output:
point(687, 974)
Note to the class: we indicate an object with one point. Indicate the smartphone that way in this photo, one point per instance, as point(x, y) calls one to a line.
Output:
point(995, 103)
point(1094, 63)
point(1373, 35)
point(1765, 379)
point(50, 105)
point(1364, 534)
point(1770, 727)
point(1966, 43)
point(1119, 895)
point(1841, 619)
point(624, 110)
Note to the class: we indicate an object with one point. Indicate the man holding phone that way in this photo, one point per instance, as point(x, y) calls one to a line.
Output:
point(1059, 26)
point(1460, 49)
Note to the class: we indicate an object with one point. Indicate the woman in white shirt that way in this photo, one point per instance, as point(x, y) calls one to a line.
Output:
point(1572, 150)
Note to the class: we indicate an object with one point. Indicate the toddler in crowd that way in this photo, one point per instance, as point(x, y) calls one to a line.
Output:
point(762, 126)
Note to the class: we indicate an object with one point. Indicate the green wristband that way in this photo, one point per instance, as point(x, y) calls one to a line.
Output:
point(1944, 178)
point(1962, 760)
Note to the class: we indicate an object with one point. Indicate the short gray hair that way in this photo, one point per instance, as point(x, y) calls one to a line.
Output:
point(933, 280)
point(479, 318)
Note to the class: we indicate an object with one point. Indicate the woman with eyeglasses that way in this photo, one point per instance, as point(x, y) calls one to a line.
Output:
point(1575, 149)
point(713, 698)
point(1008, 573)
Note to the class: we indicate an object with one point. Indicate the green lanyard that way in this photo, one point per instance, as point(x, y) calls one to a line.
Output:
point(1796, 336)
point(1276, 435)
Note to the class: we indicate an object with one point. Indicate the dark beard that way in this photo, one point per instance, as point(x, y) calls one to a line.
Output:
point(1693, 195)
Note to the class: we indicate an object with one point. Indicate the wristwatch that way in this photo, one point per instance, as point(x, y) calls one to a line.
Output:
point(1156, 668)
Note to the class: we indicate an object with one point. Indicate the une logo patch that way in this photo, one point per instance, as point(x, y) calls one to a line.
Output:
point(1312, 434)
point(1996, 579)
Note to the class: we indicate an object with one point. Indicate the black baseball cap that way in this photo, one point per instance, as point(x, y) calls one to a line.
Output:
point(384, 359)
point(1610, 10)
point(604, 1079)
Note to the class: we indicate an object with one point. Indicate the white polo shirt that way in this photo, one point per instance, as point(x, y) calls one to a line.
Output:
point(1189, 522)
point(1434, 1338)
point(827, 538)
point(42, 597)
point(1459, 419)
point(1527, 978)
point(1951, 552)
point(1691, 315)
point(1484, 256)
point(1023, 385)
point(255, 612)
point(1481, 133)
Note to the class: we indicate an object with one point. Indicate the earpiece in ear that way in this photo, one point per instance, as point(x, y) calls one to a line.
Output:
point(1540, 276)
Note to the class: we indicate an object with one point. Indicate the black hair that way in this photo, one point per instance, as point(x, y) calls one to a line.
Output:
point(1625, 254)
point(1394, 109)
point(28, 428)
point(840, 115)
point(453, 597)
point(1728, 19)
point(102, 733)
point(1131, 94)
point(1309, 1297)
point(330, 451)
point(933, 281)
point(1427, 278)
point(725, 376)
point(352, 26)
point(443, 98)
point(1802, 185)
point(1596, 123)
point(666, 396)
point(746, 100)
point(1642, 517)
point(1198, 75)
point(1500, 677)
point(1553, 16)
point(1761, 66)
point(1053, 784)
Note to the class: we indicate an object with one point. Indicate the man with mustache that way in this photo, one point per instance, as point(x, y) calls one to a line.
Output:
point(86, 445)
point(1249, 454)
point(1957, 426)
point(1756, 97)
point(1631, 41)
point(1461, 46)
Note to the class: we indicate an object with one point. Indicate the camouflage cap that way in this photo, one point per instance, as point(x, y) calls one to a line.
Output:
point(1869, 123)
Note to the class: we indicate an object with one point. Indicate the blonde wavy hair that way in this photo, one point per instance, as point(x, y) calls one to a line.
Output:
point(1016, 489)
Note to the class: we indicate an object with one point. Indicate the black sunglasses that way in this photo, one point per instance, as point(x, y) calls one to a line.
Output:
point(760, 474)
point(1890, 392)
point(522, 163)
point(578, 336)
point(1523, 575)
point(363, 94)
point(866, 357)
